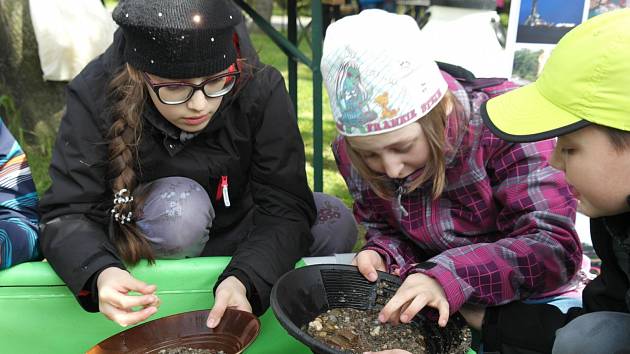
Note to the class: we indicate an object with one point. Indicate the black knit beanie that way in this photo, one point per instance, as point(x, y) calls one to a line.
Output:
point(178, 39)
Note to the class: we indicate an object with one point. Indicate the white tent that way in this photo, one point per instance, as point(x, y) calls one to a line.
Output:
point(467, 37)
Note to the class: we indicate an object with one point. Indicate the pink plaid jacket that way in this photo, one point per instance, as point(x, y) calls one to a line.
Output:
point(503, 229)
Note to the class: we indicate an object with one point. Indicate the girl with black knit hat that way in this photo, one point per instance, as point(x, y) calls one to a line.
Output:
point(176, 145)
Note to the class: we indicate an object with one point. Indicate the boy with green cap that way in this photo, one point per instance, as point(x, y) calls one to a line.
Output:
point(583, 98)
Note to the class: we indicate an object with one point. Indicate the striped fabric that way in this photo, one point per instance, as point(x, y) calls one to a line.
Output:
point(19, 218)
point(503, 229)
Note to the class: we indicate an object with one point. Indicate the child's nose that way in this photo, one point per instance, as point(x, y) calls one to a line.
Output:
point(393, 167)
point(198, 101)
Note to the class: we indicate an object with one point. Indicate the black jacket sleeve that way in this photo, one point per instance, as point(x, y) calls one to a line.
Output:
point(284, 206)
point(608, 291)
point(519, 328)
point(74, 237)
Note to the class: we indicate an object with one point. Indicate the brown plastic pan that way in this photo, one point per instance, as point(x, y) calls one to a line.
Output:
point(234, 333)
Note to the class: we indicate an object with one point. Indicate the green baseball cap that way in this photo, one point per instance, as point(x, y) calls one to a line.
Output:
point(585, 80)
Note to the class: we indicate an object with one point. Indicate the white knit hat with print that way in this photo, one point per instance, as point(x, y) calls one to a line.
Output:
point(379, 75)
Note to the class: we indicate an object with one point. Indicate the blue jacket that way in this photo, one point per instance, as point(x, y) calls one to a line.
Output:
point(19, 218)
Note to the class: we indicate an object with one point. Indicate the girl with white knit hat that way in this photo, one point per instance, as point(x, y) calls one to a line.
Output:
point(460, 215)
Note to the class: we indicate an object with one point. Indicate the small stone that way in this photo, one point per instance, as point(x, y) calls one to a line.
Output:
point(315, 325)
point(375, 331)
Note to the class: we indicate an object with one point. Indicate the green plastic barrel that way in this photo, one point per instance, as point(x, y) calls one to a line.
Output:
point(38, 314)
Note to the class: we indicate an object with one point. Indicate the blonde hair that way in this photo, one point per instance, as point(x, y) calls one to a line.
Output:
point(434, 126)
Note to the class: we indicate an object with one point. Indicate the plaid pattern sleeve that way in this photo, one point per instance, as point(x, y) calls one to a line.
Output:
point(397, 251)
point(18, 204)
point(536, 249)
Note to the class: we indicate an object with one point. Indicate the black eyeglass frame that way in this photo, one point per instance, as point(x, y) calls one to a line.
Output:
point(224, 91)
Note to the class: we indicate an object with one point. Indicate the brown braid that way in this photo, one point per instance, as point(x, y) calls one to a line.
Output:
point(128, 93)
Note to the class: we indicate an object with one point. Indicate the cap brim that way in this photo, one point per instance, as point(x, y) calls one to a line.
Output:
point(524, 115)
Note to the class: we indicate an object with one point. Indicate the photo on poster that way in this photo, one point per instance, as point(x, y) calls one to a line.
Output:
point(546, 21)
point(528, 62)
point(598, 7)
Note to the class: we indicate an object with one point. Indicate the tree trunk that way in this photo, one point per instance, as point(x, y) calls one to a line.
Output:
point(20, 71)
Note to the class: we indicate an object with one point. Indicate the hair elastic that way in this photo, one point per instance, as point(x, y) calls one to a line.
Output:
point(121, 198)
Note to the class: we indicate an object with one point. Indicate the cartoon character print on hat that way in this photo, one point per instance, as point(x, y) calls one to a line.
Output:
point(378, 83)
point(364, 110)
point(353, 98)
point(383, 101)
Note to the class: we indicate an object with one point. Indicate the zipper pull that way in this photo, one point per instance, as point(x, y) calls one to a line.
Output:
point(224, 189)
point(399, 192)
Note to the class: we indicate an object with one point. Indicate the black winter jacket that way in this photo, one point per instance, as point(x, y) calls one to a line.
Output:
point(519, 328)
point(253, 139)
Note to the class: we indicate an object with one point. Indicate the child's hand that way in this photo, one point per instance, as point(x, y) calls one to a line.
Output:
point(416, 292)
point(230, 293)
point(114, 301)
point(368, 262)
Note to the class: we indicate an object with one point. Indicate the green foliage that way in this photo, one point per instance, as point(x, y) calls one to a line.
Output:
point(303, 7)
point(526, 64)
point(110, 4)
point(504, 18)
point(39, 167)
point(11, 117)
point(504, 14)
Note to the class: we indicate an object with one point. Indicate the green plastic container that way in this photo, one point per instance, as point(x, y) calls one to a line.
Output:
point(38, 314)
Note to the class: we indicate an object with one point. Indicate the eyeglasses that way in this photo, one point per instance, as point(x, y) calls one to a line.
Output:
point(172, 93)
